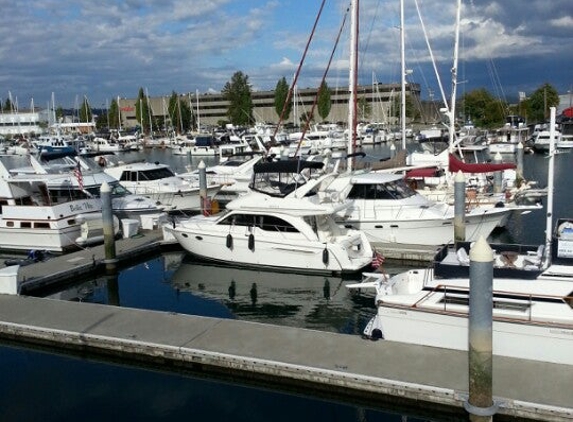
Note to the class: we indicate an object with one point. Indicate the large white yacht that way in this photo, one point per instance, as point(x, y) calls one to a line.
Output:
point(269, 230)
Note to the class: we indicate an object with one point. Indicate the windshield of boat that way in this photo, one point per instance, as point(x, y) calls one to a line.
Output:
point(116, 190)
point(146, 175)
point(397, 189)
point(427, 147)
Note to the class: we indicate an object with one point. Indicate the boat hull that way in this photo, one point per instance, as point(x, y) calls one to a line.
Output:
point(427, 232)
point(256, 250)
point(545, 343)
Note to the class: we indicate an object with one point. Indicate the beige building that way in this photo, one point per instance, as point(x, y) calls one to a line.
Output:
point(375, 103)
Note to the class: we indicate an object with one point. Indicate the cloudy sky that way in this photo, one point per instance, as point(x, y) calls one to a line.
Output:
point(108, 48)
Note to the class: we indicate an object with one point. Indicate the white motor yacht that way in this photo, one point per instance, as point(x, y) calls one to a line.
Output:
point(159, 183)
point(272, 231)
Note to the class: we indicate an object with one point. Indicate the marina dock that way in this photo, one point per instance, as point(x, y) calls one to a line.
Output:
point(312, 361)
point(306, 361)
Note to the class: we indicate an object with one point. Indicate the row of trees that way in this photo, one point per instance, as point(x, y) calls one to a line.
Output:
point(486, 111)
point(239, 95)
point(179, 115)
point(478, 105)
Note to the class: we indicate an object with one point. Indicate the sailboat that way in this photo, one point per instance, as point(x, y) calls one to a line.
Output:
point(434, 164)
point(532, 316)
point(384, 206)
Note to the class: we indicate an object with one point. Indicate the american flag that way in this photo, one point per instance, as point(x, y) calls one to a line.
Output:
point(79, 176)
point(377, 260)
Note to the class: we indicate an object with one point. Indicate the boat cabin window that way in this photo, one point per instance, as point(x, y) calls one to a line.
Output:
point(272, 223)
point(64, 195)
point(473, 155)
point(116, 190)
point(398, 189)
point(238, 220)
point(264, 222)
point(145, 176)
point(153, 174)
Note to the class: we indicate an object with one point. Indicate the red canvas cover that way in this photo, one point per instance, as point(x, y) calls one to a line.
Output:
point(456, 165)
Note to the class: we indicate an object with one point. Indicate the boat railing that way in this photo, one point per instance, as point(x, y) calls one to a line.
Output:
point(514, 305)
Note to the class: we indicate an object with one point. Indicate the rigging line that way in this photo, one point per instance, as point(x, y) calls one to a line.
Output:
point(309, 115)
point(432, 57)
point(493, 74)
point(369, 36)
point(289, 95)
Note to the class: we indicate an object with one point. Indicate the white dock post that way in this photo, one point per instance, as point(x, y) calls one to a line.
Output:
point(110, 260)
point(205, 209)
point(519, 163)
point(480, 404)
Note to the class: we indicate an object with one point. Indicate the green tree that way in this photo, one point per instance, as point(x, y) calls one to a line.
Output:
point(364, 108)
point(101, 121)
point(281, 94)
point(179, 113)
point(483, 109)
point(238, 93)
point(397, 106)
point(143, 112)
point(85, 114)
point(7, 105)
point(113, 115)
point(59, 114)
point(323, 103)
point(538, 103)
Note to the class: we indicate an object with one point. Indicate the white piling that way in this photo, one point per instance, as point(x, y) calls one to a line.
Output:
point(480, 404)
point(108, 229)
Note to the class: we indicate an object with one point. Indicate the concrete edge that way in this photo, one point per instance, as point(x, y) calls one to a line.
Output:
point(274, 369)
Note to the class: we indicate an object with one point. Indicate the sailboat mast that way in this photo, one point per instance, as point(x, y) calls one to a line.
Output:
point(149, 112)
point(403, 78)
point(452, 112)
point(198, 115)
point(550, 182)
point(352, 82)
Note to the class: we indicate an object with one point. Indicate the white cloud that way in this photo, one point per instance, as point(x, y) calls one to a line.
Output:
point(108, 48)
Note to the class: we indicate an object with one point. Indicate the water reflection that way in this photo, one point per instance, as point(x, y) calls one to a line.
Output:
point(307, 301)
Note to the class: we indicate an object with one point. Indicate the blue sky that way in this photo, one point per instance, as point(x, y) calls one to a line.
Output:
point(111, 48)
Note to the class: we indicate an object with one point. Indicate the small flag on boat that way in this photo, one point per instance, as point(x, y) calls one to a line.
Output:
point(377, 260)
point(79, 176)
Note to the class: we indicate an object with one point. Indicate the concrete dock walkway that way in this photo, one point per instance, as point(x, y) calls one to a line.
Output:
point(317, 362)
point(341, 364)
point(87, 261)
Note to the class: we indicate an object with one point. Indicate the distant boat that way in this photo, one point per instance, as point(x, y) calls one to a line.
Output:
point(41, 212)
point(542, 138)
point(157, 182)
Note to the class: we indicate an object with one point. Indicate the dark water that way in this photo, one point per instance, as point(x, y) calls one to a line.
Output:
point(39, 385)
